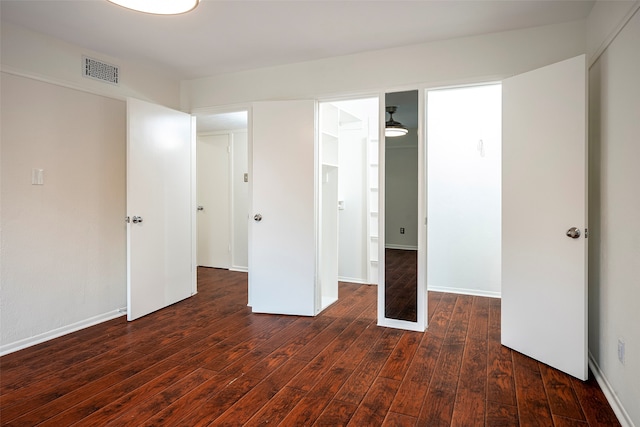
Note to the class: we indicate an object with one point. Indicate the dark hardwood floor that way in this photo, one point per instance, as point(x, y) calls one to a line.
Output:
point(209, 361)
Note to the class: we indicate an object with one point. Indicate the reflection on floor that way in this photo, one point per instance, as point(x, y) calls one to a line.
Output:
point(401, 279)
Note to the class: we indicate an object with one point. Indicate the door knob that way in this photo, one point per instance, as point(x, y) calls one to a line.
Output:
point(257, 217)
point(136, 219)
point(200, 208)
point(573, 232)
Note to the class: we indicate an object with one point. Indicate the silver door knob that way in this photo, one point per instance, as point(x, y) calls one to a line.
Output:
point(573, 232)
point(257, 217)
point(136, 219)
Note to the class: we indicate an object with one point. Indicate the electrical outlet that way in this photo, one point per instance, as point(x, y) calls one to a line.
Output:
point(621, 350)
point(401, 230)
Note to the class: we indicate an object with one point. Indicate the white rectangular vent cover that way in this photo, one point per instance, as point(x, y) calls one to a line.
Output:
point(99, 70)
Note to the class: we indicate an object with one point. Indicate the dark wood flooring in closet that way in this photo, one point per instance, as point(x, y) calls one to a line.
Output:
point(209, 361)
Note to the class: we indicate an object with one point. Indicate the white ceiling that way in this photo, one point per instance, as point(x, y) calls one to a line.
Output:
point(226, 36)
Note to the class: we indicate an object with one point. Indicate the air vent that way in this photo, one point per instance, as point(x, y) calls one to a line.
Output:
point(99, 70)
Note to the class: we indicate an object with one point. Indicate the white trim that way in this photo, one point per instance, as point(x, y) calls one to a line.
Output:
point(354, 280)
point(194, 203)
point(239, 269)
point(401, 247)
point(64, 330)
point(69, 85)
point(611, 37)
point(610, 394)
point(400, 324)
point(465, 291)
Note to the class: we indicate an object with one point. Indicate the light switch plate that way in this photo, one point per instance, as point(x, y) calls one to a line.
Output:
point(37, 176)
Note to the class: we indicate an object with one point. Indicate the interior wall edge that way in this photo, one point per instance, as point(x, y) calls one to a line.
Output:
point(613, 34)
point(610, 394)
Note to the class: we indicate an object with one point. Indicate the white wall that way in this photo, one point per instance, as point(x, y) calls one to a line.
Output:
point(240, 201)
point(28, 53)
point(464, 154)
point(614, 212)
point(63, 243)
point(458, 60)
point(352, 190)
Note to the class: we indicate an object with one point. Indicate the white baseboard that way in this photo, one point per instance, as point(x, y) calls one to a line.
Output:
point(353, 280)
point(402, 247)
point(239, 269)
point(463, 291)
point(612, 398)
point(31, 341)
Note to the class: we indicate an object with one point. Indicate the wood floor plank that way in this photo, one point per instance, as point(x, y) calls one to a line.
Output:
point(376, 403)
point(82, 392)
point(274, 411)
point(410, 396)
point(459, 324)
point(501, 415)
point(479, 318)
point(306, 412)
point(209, 361)
point(562, 398)
point(495, 319)
point(393, 419)
point(470, 405)
point(398, 362)
point(500, 380)
point(318, 367)
point(123, 404)
point(533, 406)
point(60, 383)
point(559, 421)
point(593, 402)
point(242, 410)
point(336, 414)
point(96, 402)
point(218, 403)
point(355, 388)
point(439, 322)
point(157, 403)
point(437, 409)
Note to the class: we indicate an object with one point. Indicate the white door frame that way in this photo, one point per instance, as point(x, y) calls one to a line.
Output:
point(421, 324)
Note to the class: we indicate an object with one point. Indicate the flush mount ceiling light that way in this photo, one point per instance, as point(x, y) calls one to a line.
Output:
point(393, 128)
point(158, 7)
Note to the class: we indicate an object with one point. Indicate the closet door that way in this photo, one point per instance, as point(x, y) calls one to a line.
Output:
point(282, 230)
point(544, 246)
point(160, 208)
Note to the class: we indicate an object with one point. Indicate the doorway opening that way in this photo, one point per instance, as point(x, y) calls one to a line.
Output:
point(464, 172)
point(222, 190)
point(349, 189)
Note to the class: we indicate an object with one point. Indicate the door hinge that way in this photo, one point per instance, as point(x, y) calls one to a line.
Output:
point(127, 219)
point(586, 233)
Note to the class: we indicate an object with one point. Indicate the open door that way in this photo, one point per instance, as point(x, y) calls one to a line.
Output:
point(544, 247)
point(214, 201)
point(282, 229)
point(160, 207)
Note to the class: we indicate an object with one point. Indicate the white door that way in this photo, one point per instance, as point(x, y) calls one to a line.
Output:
point(282, 242)
point(214, 248)
point(160, 235)
point(544, 288)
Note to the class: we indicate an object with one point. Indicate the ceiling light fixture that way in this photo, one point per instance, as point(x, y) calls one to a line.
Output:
point(393, 128)
point(158, 7)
